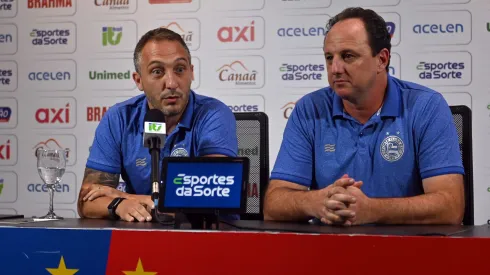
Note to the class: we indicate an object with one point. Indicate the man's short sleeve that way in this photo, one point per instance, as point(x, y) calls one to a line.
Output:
point(105, 153)
point(295, 161)
point(438, 144)
point(217, 132)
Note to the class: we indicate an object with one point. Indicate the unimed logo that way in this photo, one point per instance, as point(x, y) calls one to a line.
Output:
point(203, 186)
point(42, 4)
point(105, 75)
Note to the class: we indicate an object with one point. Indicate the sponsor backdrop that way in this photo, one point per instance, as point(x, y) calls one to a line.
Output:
point(64, 63)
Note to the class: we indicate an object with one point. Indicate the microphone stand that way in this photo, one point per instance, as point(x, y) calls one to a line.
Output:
point(164, 219)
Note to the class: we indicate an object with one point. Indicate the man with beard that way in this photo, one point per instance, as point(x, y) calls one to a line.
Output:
point(196, 126)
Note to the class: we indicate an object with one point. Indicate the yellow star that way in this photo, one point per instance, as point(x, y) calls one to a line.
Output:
point(62, 270)
point(139, 270)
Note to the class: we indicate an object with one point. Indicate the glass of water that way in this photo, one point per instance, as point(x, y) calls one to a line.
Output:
point(51, 167)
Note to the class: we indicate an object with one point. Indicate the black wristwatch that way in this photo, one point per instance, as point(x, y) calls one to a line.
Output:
point(112, 208)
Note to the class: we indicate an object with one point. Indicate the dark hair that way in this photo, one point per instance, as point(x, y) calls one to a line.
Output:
point(157, 34)
point(378, 36)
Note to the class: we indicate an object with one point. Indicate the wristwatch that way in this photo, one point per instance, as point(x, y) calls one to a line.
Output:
point(113, 206)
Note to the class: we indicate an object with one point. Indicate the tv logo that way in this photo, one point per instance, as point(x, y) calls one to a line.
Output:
point(207, 186)
point(111, 35)
point(43, 4)
point(154, 127)
point(5, 113)
point(96, 113)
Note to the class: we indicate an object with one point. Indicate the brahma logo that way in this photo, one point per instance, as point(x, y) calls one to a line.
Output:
point(96, 113)
point(187, 28)
point(43, 4)
point(55, 113)
point(207, 186)
point(241, 33)
point(169, 1)
point(287, 109)
point(443, 27)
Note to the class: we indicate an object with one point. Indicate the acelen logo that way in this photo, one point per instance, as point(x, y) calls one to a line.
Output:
point(42, 4)
point(442, 27)
point(55, 113)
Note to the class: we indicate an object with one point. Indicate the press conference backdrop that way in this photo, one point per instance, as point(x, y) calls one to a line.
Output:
point(64, 63)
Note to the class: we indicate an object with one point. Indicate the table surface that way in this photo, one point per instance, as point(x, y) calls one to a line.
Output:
point(269, 226)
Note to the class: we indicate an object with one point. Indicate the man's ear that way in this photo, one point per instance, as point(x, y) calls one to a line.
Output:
point(137, 80)
point(383, 60)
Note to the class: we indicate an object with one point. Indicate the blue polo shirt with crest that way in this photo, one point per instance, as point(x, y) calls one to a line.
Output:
point(207, 127)
point(412, 137)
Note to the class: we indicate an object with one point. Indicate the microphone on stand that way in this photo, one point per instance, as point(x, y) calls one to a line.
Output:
point(154, 137)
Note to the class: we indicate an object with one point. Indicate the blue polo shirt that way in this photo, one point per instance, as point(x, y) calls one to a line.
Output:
point(207, 127)
point(412, 137)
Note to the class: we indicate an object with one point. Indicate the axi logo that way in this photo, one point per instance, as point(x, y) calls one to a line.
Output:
point(237, 33)
point(199, 186)
point(111, 35)
point(390, 26)
point(5, 150)
point(5, 113)
point(446, 70)
point(53, 115)
point(42, 4)
point(237, 72)
point(51, 143)
point(288, 108)
point(96, 113)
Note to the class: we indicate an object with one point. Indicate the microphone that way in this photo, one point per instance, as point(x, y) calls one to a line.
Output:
point(154, 137)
